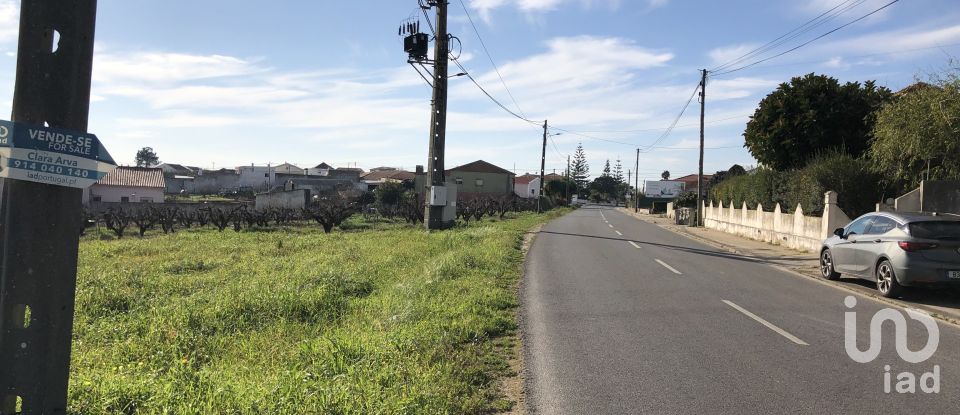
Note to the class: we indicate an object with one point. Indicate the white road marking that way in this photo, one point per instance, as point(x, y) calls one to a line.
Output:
point(618, 233)
point(610, 226)
point(769, 325)
point(602, 215)
point(672, 269)
point(634, 245)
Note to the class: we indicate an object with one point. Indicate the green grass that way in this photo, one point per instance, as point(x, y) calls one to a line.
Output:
point(380, 319)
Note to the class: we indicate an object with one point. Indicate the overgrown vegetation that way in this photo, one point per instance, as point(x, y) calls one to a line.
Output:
point(858, 186)
point(297, 321)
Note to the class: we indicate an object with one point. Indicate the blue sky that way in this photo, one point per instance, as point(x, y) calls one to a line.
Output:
point(227, 83)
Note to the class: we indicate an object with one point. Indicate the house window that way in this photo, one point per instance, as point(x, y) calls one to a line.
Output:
point(124, 199)
point(97, 199)
point(459, 180)
point(533, 191)
point(267, 175)
point(479, 182)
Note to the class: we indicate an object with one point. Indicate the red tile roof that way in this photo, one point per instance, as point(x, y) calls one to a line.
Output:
point(526, 178)
point(134, 177)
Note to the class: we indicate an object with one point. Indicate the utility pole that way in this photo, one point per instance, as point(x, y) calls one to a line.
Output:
point(433, 215)
point(543, 165)
point(625, 200)
point(636, 192)
point(566, 184)
point(703, 108)
point(41, 223)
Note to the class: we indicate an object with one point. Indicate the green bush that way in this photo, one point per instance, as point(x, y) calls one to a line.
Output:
point(852, 178)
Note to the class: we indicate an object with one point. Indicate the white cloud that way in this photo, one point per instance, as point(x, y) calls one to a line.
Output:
point(9, 20)
point(486, 7)
point(723, 55)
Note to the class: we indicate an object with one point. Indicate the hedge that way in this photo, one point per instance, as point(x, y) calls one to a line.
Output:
point(854, 181)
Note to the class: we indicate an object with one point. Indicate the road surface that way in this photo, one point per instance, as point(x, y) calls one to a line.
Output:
point(620, 316)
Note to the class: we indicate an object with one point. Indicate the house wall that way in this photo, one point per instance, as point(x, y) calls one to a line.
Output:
point(793, 230)
point(293, 199)
point(213, 183)
point(493, 183)
point(115, 193)
point(528, 191)
point(942, 196)
point(259, 178)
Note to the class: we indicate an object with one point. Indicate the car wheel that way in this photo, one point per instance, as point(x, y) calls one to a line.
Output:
point(826, 266)
point(887, 282)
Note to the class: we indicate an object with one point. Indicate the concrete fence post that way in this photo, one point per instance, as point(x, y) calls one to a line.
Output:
point(833, 217)
point(777, 219)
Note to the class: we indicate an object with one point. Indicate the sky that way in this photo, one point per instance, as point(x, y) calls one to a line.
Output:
point(220, 83)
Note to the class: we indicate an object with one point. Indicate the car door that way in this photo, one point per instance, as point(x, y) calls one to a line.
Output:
point(844, 252)
point(871, 244)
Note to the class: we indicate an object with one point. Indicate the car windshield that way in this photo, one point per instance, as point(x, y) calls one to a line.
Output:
point(942, 230)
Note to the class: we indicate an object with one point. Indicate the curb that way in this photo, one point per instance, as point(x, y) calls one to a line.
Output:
point(866, 294)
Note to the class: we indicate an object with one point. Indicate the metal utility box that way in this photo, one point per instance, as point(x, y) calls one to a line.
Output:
point(438, 196)
point(417, 45)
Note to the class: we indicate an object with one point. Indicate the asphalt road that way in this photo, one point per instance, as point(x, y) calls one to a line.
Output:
point(620, 316)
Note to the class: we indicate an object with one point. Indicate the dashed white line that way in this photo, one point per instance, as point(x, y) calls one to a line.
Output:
point(634, 244)
point(610, 226)
point(768, 324)
point(618, 233)
point(665, 265)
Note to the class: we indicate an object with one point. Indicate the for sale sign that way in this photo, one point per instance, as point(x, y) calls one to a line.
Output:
point(52, 155)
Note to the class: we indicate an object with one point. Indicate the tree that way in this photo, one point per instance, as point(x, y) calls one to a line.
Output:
point(916, 135)
point(606, 169)
point(665, 175)
point(736, 170)
point(811, 115)
point(618, 172)
point(146, 157)
point(389, 193)
point(559, 189)
point(580, 170)
point(605, 187)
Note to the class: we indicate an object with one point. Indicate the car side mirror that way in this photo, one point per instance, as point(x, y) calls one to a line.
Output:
point(839, 232)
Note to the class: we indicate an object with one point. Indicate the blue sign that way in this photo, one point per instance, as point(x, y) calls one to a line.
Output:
point(52, 155)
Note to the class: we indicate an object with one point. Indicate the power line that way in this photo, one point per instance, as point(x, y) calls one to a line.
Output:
point(495, 101)
point(796, 32)
point(487, 52)
point(811, 40)
point(869, 55)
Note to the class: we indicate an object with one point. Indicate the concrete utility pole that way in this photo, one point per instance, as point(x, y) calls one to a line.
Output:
point(566, 184)
point(703, 108)
point(433, 215)
point(543, 165)
point(41, 223)
point(636, 191)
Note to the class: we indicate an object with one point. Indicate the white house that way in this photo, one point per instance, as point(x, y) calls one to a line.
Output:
point(527, 186)
point(287, 168)
point(128, 185)
point(257, 177)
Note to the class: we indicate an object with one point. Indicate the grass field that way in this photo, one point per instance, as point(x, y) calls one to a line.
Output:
point(293, 321)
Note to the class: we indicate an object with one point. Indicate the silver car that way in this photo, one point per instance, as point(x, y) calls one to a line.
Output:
point(896, 250)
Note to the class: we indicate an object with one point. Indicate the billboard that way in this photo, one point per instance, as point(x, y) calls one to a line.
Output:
point(662, 189)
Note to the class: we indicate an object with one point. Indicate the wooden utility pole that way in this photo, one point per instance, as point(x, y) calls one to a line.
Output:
point(703, 108)
point(636, 192)
point(433, 215)
point(543, 165)
point(41, 223)
point(625, 200)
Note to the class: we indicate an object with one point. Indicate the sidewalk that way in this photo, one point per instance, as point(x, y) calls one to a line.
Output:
point(940, 303)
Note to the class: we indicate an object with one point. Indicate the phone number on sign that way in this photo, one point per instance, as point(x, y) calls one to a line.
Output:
point(50, 168)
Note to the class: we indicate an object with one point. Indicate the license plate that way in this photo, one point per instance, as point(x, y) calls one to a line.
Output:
point(954, 275)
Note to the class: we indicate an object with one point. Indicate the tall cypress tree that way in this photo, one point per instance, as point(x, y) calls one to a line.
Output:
point(580, 170)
